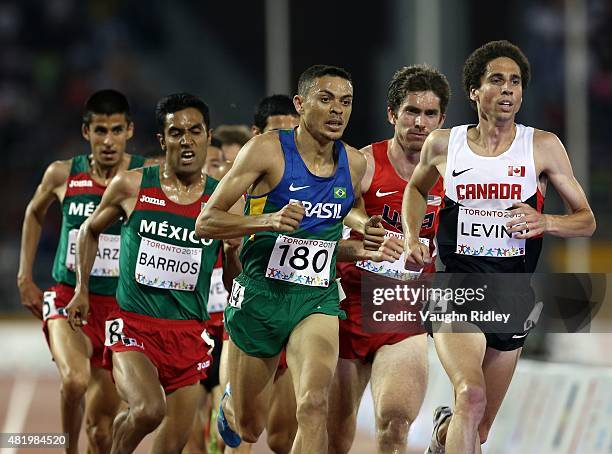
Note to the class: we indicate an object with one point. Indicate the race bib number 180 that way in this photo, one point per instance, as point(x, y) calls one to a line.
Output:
point(301, 261)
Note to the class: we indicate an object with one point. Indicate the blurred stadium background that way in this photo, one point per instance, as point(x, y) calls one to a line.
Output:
point(54, 53)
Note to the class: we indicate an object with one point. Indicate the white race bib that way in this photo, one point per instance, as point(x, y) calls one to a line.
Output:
point(394, 270)
point(217, 296)
point(107, 257)
point(301, 261)
point(483, 233)
point(166, 266)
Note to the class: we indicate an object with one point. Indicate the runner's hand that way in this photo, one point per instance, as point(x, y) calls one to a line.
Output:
point(31, 297)
point(288, 219)
point(389, 251)
point(417, 255)
point(78, 310)
point(231, 245)
point(532, 223)
point(374, 234)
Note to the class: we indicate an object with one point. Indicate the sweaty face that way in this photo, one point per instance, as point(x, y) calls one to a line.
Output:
point(281, 122)
point(416, 117)
point(500, 93)
point(326, 108)
point(107, 136)
point(185, 141)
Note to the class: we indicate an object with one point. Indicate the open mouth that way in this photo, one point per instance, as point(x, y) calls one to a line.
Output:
point(109, 153)
point(506, 105)
point(187, 156)
point(335, 125)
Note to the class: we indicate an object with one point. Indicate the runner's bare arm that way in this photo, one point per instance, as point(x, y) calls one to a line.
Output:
point(51, 188)
point(414, 204)
point(256, 162)
point(357, 217)
point(118, 200)
point(353, 250)
point(370, 227)
point(551, 159)
point(231, 249)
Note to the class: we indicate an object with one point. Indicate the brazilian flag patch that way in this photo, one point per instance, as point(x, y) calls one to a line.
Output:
point(339, 192)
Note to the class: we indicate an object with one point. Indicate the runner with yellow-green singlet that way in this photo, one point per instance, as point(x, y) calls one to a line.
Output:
point(301, 183)
point(156, 342)
point(78, 184)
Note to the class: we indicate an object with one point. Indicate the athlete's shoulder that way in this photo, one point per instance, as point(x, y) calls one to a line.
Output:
point(436, 143)
point(548, 151)
point(545, 139)
point(356, 158)
point(367, 150)
point(127, 182)
point(267, 143)
point(260, 153)
point(439, 135)
point(267, 139)
point(57, 173)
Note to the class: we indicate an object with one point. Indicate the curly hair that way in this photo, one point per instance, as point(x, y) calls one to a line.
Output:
point(476, 64)
point(417, 78)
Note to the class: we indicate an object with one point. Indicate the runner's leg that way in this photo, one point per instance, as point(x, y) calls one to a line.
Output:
point(138, 384)
point(71, 350)
point(399, 382)
point(350, 380)
point(101, 407)
point(312, 355)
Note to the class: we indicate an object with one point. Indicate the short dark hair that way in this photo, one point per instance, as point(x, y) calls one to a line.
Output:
point(270, 106)
point(232, 134)
point(417, 78)
point(106, 102)
point(308, 77)
point(179, 101)
point(476, 64)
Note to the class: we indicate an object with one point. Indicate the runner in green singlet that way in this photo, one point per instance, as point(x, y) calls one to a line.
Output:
point(156, 342)
point(300, 184)
point(78, 184)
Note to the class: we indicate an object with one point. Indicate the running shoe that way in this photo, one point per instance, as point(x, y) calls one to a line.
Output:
point(231, 438)
point(440, 415)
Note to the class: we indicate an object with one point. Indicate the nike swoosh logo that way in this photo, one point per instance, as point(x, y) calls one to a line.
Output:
point(519, 336)
point(382, 194)
point(297, 188)
point(456, 174)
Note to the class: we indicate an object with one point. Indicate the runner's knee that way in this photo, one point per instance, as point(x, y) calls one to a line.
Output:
point(74, 385)
point(149, 415)
point(471, 399)
point(251, 427)
point(393, 426)
point(313, 404)
point(99, 432)
point(280, 441)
